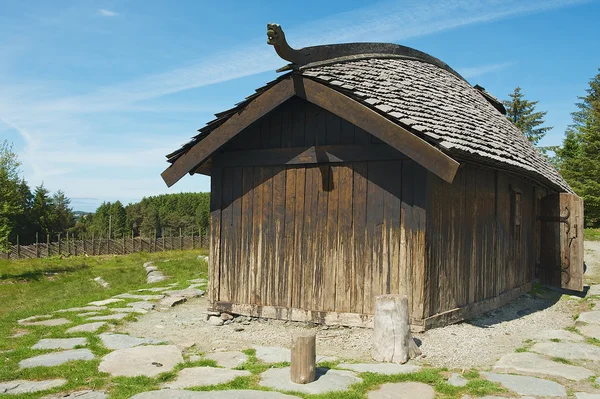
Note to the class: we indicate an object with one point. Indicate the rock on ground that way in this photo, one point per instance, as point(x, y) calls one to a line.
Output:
point(381, 368)
point(23, 386)
point(56, 358)
point(101, 282)
point(204, 376)
point(30, 319)
point(584, 395)
point(154, 289)
point(49, 323)
point(171, 301)
point(528, 385)
point(59, 343)
point(140, 297)
point(272, 354)
point(116, 316)
point(215, 321)
point(233, 394)
point(568, 350)
point(88, 327)
point(457, 380)
point(142, 305)
point(328, 380)
point(590, 330)
point(141, 360)
point(188, 292)
point(123, 341)
point(563, 335)
point(105, 302)
point(590, 317)
point(129, 310)
point(530, 363)
point(198, 281)
point(82, 309)
point(87, 394)
point(403, 390)
point(229, 359)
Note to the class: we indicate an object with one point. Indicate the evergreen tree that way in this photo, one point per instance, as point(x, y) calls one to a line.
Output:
point(10, 207)
point(42, 212)
point(579, 157)
point(63, 218)
point(521, 112)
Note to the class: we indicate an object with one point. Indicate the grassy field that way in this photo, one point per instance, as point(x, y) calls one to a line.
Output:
point(42, 286)
point(592, 234)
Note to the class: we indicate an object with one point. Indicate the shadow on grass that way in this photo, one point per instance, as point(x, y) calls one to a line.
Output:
point(39, 274)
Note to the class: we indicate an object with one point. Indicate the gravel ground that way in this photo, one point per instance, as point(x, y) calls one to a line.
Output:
point(475, 343)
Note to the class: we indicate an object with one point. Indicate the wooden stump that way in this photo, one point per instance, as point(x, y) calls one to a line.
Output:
point(392, 339)
point(304, 356)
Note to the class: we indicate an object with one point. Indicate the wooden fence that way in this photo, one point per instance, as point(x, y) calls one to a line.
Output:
point(103, 246)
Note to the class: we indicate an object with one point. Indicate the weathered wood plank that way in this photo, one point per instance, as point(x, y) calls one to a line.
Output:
point(257, 239)
point(227, 236)
point(215, 236)
point(313, 179)
point(267, 233)
point(279, 287)
point(236, 287)
point(299, 238)
point(345, 241)
point(257, 108)
point(247, 237)
point(359, 211)
point(318, 287)
point(330, 241)
point(289, 249)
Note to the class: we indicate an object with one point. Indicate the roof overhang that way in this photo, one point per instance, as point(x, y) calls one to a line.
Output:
point(327, 98)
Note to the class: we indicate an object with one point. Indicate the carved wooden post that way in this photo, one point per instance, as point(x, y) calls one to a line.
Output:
point(303, 358)
point(392, 340)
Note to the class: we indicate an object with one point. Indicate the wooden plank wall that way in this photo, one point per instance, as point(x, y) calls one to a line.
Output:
point(474, 249)
point(326, 237)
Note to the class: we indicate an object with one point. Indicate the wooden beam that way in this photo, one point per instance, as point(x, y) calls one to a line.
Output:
point(307, 155)
point(257, 108)
point(384, 129)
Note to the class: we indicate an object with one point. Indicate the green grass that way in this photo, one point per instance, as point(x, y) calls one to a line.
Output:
point(591, 234)
point(561, 360)
point(554, 340)
point(42, 286)
point(521, 350)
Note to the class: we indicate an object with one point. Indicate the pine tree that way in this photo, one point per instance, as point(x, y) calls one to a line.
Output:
point(10, 206)
point(521, 112)
point(579, 157)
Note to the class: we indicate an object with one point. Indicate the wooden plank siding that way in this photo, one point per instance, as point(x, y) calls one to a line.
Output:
point(323, 237)
point(317, 241)
point(475, 252)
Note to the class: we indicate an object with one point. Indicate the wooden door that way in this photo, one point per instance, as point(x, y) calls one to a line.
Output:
point(562, 241)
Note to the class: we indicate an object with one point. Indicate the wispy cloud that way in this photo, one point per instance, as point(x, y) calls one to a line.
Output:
point(107, 13)
point(473, 72)
point(55, 127)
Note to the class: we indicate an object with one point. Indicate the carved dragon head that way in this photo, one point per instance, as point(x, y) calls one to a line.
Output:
point(275, 35)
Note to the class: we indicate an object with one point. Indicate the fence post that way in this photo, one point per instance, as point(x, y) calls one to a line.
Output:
point(162, 236)
point(154, 240)
point(193, 240)
point(37, 245)
point(180, 240)
point(59, 244)
point(48, 245)
point(108, 242)
point(93, 245)
point(18, 248)
point(123, 248)
point(83, 242)
point(132, 242)
point(171, 237)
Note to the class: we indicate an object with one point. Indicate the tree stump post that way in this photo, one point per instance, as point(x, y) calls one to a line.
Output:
point(304, 354)
point(392, 339)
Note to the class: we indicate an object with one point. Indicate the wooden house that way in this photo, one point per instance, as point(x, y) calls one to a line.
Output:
point(374, 168)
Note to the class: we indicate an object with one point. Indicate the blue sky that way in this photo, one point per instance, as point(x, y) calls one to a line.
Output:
point(93, 94)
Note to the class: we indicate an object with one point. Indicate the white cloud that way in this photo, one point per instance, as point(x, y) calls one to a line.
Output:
point(473, 72)
point(107, 13)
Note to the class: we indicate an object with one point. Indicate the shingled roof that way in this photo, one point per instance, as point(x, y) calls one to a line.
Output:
point(430, 101)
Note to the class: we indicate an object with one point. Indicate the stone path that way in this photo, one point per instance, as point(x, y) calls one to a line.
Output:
point(88, 327)
point(403, 390)
point(56, 358)
point(233, 394)
point(230, 359)
point(59, 343)
point(528, 385)
point(149, 361)
point(530, 363)
point(328, 380)
point(204, 376)
point(124, 341)
point(23, 386)
point(87, 394)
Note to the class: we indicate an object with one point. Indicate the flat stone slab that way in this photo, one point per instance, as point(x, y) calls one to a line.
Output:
point(381, 368)
point(116, 316)
point(563, 335)
point(204, 376)
point(232, 394)
point(594, 289)
point(129, 310)
point(272, 354)
point(140, 297)
point(584, 395)
point(535, 364)
point(123, 341)
point(198, 281)
point(457, 380)
point(88, 327)
point(87, 394)
point(590, 330)
point(187, 293)
point(141, 360)
point(31, 319)
point(568, 350)
point(154, 289)
point(229, 359)
point(59, 343)
point(23, 386)
point(82, 309)
point(48, 323)
point(328, 380)
point(528, 385)
point(171, 301)
point(56, 358)
point(590, 317)
point(403, 390)
point(87, 314)
point(105, 302)
point(142, 305)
